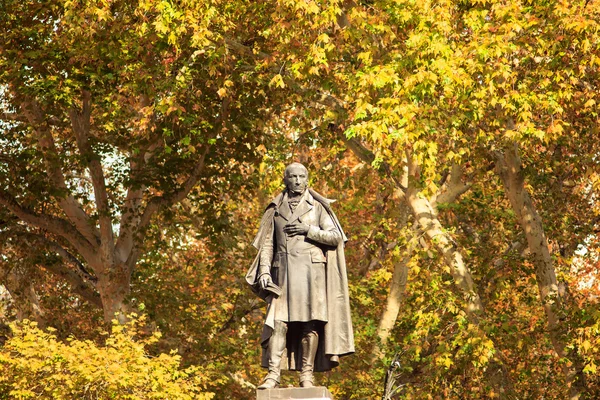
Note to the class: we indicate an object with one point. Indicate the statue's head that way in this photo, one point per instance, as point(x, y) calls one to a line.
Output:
point(295, 178)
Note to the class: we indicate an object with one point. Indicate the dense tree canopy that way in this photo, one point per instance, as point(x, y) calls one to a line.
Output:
point(139, 142)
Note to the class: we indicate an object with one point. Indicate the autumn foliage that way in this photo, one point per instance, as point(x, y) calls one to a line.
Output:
point(141, 140)
point(36, 365)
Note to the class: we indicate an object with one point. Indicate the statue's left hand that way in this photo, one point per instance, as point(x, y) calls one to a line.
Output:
point(296, 229)
point(264, 280)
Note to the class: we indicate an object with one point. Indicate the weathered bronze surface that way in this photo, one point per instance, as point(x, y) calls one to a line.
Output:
point(300, 271)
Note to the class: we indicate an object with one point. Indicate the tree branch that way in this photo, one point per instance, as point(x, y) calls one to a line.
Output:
point(130, 218)
point(324, 98)
point(78, 285)
point(79, 278)
point(70, 258)
point(8, 116)
point(244, 50)
point(367, 156)
point(158, 203)
point(80, 122)
point(237, 315)
point(426, 216)
point(20, 287)
point(130, 212)
point(54, 225)
point(454, 187)
point(71, 207)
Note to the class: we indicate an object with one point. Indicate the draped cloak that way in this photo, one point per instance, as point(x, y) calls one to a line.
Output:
point(336, 338)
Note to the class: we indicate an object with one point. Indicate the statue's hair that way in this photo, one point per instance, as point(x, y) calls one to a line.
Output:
point(294, 164)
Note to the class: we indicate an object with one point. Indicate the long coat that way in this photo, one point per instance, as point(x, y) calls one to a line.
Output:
point(302, 265)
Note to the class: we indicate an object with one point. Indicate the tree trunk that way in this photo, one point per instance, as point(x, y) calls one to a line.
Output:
point(392, 306)
point(426, 215)
point(509, 169)
point(24, 296)
point(395, 297)
point(114, 287)
point(445, 245)
point(93, 245)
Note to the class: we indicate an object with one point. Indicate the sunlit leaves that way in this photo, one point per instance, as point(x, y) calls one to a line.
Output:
point(37, 365)
point(449, 82)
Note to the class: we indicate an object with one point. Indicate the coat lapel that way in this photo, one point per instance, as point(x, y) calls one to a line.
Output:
point(284, 208)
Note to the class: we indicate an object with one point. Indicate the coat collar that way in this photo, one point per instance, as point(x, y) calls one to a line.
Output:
point(281, 207)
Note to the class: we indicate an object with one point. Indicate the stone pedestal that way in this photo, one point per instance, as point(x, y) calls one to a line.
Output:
point(313, 393)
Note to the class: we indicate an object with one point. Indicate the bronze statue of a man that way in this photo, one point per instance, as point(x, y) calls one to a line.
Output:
point(300, 270)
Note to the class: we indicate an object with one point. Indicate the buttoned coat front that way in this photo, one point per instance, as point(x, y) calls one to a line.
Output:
point(297, 263)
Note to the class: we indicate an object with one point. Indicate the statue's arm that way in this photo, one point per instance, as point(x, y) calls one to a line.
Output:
point(326, 233)
point(266, 255)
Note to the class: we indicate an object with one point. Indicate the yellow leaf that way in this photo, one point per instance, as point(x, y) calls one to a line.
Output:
point(277, 81)
point(590, 369)
point(448, 362)
point(586, 345)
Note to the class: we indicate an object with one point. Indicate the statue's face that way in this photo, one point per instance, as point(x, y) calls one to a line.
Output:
point(296, 179)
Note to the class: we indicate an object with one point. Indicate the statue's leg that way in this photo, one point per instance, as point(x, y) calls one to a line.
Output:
point(276, 348)
point(310, 342)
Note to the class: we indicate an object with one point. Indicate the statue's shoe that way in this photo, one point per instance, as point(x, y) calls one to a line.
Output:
point(306, 384)
point(269, 383)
